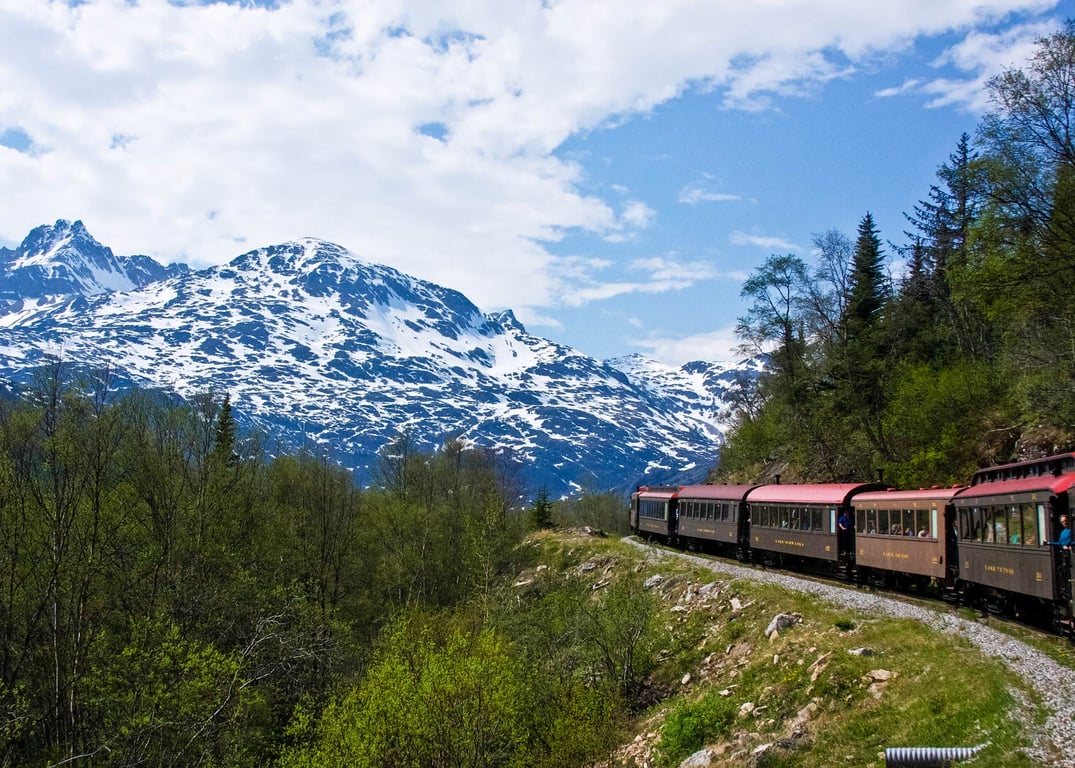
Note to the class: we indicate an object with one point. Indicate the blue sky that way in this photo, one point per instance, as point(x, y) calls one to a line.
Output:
point(612, 171)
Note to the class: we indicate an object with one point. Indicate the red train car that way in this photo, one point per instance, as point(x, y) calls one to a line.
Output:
point(653, 512)
point(906, 537)
point(800, 520)
point(715, 513)
point(1005, 520)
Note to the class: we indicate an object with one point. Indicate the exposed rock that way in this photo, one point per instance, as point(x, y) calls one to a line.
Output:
point(703, 758)
point(782, 621)
point(653, 581)
point(861, 652)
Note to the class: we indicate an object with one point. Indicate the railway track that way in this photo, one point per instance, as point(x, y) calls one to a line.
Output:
point(1053, 680)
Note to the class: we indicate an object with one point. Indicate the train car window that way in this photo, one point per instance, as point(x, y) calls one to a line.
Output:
point(1029, 524)
point(1000, 525)
point(987, 524)
point(1041, 523)
point(815, 519)
point(871, 521)
point(933, 523)
point(922, 526)
point(860, 521)
point(908, 523)
point(724, 511)
point(710, 511)
point(1015, 524)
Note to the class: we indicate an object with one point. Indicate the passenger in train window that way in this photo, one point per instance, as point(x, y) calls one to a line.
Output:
point(1064, 539)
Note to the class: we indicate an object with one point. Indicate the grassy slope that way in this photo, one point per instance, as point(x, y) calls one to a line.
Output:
point(723, 685)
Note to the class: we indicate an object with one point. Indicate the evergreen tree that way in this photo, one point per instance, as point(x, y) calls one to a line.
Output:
point(541, 511)
point(868, 280)
point(864, 351)
point(224, 437)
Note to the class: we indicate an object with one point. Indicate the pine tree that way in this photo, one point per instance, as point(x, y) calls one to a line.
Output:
point(541, 511)
point(868, 281)
point(224, 438)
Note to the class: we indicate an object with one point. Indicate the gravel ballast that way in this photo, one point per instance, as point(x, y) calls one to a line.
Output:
point(1053, 743)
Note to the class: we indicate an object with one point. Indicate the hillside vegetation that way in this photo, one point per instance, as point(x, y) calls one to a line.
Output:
point(173, 594)
point(954, 350)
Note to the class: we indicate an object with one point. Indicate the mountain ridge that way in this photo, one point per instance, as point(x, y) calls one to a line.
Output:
point(316, 346)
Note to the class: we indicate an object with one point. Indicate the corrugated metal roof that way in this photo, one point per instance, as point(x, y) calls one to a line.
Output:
point(810, 493)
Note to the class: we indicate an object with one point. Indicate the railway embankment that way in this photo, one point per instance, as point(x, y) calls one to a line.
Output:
point(780, 669)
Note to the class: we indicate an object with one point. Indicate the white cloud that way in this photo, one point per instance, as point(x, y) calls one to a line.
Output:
point(637, 214)
point(715, 346)
point(657, 274)
point(908, 86)
point(694, 194)
point(980, 55)
point(762, 241)
point(195, 131)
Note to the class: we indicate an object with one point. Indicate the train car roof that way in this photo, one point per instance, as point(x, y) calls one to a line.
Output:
point(1061, 463)
point(661, 492)
point(919, 494)
point(810, 493)
point(727, 492)
point(1051, 483)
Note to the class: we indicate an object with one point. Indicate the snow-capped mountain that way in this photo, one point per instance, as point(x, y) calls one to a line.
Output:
point(56, 262)
point(316, 346)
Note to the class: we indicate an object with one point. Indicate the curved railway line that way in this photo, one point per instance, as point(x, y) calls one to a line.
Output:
point(1052, 742)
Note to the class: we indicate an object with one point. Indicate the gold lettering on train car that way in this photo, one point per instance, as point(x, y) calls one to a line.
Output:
point(1000, 569)
point(787, 543)
point(896, 555)
point(936, 560)
point(1037, 576)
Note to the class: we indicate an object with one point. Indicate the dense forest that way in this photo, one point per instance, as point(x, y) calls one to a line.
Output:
point(955, 349)
point(171, 594)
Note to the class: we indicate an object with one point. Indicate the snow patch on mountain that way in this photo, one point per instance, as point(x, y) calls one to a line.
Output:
point(316, 345)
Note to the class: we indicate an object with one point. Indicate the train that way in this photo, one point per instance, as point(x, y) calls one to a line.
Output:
point(992, 543)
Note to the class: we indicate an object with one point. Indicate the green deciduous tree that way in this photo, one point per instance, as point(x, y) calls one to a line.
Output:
point(436, 694)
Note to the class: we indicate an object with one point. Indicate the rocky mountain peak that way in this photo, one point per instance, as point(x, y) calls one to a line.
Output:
point(315, 345)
